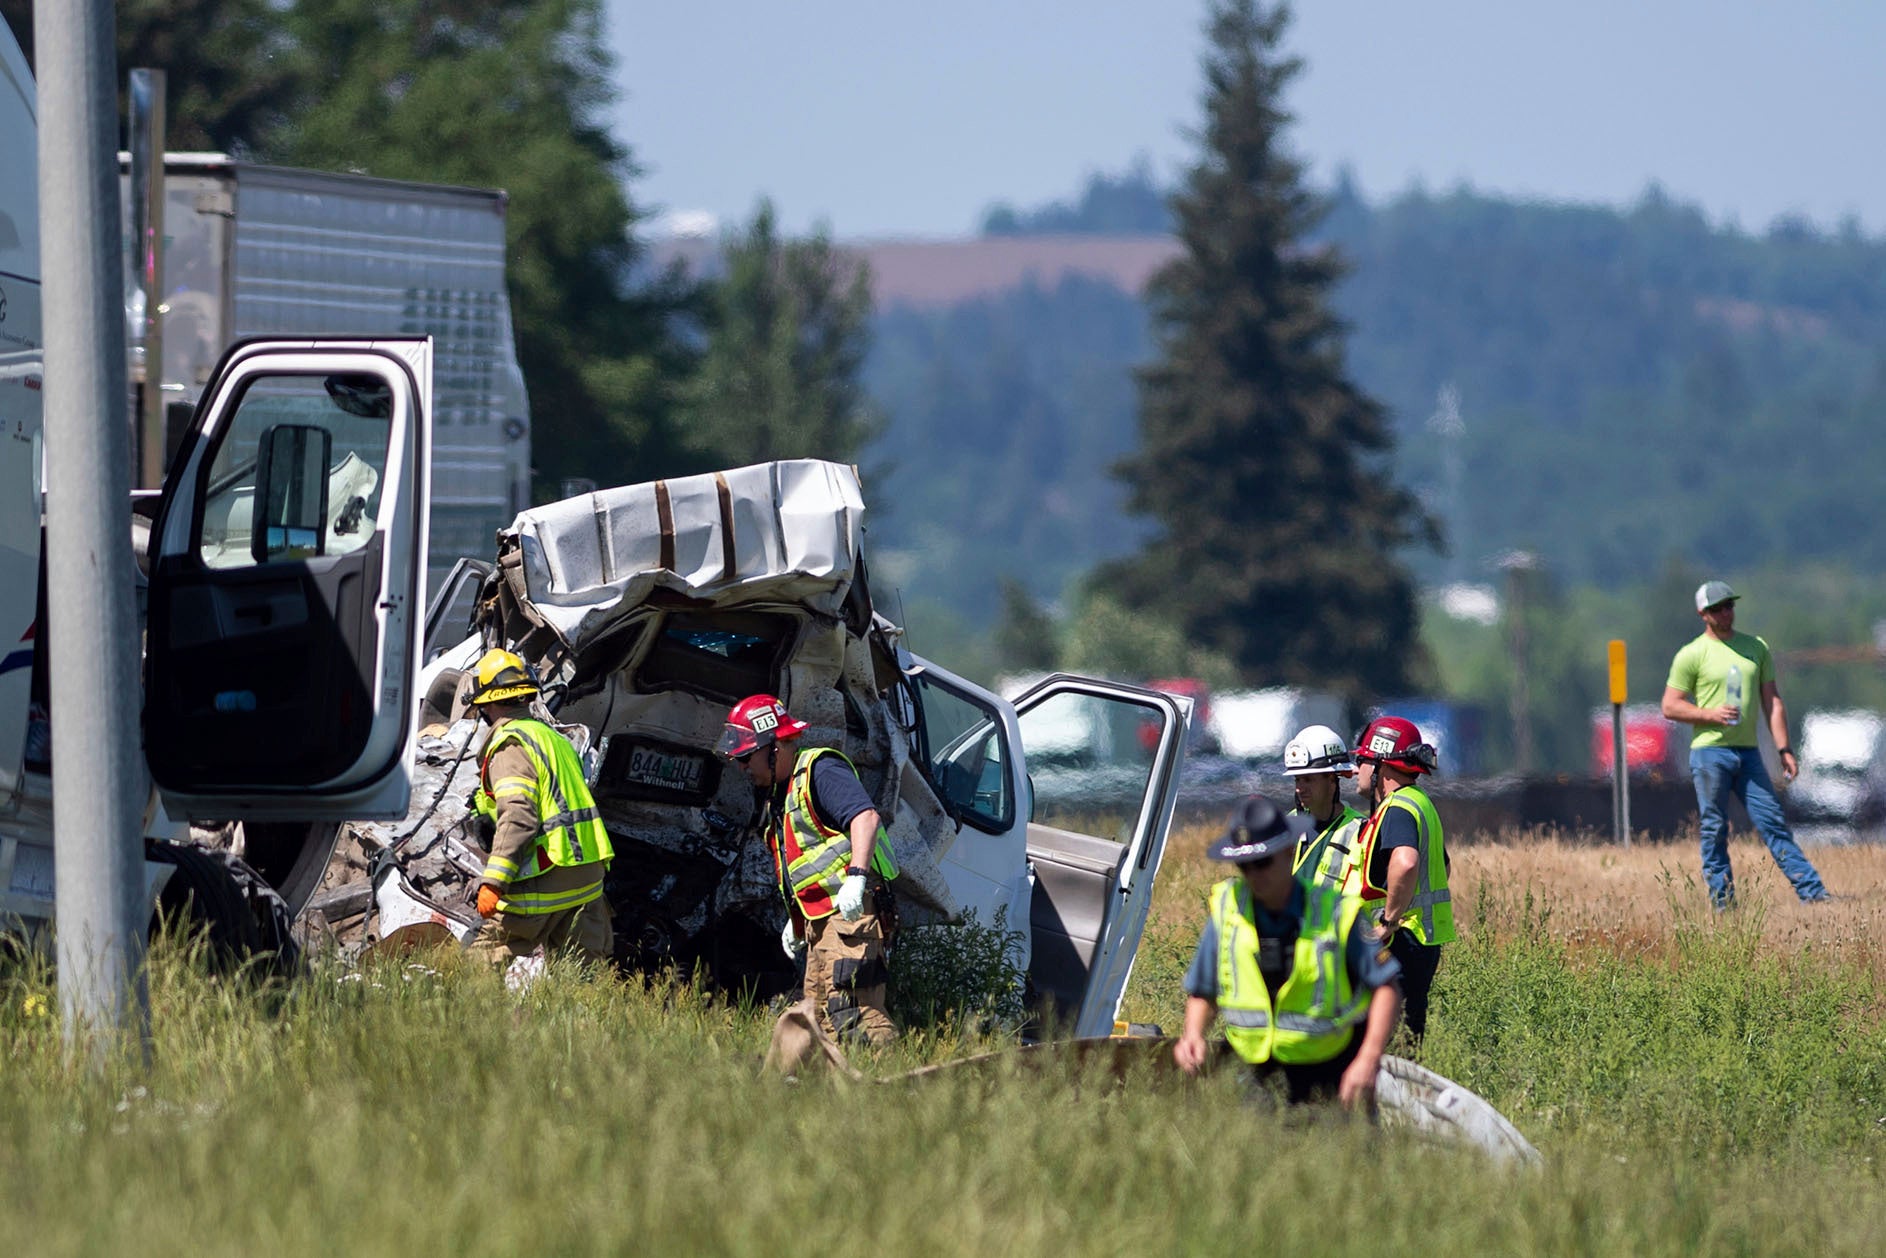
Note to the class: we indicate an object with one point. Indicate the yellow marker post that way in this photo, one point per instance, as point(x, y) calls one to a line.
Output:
point(1620, 766)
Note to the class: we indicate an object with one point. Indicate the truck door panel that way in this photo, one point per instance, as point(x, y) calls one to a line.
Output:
point(1075, 877)
point(286, 597)
point(264, 671)
point(1104, 760)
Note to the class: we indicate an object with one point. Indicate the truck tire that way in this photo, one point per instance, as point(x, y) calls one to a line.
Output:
point(242, 918)
point(291, 856)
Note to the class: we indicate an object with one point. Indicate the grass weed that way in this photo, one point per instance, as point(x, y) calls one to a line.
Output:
point(1698, 1085)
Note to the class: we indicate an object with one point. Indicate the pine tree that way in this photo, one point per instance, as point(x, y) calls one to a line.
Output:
point(227, 76)
point(514, 94)
point(1264, 467)
point(788, 326)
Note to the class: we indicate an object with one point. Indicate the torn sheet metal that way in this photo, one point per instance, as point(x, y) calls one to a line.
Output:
point(777, 532)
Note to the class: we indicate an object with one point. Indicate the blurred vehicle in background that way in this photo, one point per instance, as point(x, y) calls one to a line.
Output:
point(1843, 768)
point(1456, 731)
point(1653, 745)
point(1253, 725)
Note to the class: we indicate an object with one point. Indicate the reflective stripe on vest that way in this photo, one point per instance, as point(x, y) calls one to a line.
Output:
point(1316, 1009)
point(1430, 912)
point(1325, 859)
point(570, 831)
point(815, 857)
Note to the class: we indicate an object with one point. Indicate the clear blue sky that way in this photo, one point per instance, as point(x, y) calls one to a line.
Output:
point(888, 118)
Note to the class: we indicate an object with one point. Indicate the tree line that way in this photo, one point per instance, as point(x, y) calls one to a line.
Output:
point(631, 377)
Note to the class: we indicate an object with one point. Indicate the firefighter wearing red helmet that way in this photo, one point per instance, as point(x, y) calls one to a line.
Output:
point(1401, 865)
point(833, 860)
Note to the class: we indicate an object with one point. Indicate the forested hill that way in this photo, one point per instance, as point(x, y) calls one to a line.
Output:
point(1634, 384)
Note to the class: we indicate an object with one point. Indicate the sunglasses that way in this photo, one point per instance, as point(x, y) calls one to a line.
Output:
point(745, 756)
point(1262, 862)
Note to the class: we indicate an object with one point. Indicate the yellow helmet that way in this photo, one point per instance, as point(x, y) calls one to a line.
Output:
point(501, 675)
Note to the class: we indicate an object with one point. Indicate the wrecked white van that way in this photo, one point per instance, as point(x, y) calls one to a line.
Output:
point(648, 611)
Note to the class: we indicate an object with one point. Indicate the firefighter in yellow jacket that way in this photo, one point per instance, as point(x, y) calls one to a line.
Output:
point(542, 884)
point(834, 864)
point(1308, 995)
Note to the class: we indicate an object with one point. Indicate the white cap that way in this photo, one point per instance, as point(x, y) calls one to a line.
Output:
point(1709, 593)
point(1316, 749)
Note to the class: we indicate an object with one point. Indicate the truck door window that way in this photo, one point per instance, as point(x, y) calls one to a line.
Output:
point(968, 757)
point(1090, 759)
point(355, 412)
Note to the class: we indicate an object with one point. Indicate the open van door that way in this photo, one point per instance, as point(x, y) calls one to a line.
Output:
point(1103, 769)
point(287, 573)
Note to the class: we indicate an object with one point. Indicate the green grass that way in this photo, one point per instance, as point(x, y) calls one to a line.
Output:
point(1721, 1103)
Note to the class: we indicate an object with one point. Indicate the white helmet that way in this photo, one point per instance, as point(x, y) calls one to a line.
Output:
point(1317, 749)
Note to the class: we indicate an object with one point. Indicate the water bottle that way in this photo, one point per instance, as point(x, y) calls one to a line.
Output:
point(1732, 690)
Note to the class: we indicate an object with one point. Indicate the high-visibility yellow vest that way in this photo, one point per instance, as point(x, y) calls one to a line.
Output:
point(1430, 913)
point(570, 831)
point(1315, 1014)
point(1323, 859)
point(809, 858)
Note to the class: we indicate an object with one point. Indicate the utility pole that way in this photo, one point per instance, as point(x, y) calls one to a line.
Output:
point(98, 772)
point(1448, 428)
point(1518, 566)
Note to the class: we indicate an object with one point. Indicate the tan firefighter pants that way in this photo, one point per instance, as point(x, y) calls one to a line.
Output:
point(846, 976)
point(588, 928)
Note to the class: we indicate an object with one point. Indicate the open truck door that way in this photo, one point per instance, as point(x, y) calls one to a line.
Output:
point(1103, 769)
point(287, 575)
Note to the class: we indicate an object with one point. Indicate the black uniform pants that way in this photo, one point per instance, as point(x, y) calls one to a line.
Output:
point(1419, 961)
point(1299, 1084)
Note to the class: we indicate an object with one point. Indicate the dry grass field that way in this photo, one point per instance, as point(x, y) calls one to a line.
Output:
point(1595, 894)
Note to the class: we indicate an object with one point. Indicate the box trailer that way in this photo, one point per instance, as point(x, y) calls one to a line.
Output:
point(254, 250)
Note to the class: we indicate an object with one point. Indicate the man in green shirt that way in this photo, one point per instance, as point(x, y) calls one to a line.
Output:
point(1712, 682)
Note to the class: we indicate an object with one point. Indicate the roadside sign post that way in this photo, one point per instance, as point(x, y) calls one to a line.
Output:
point(1620, 767)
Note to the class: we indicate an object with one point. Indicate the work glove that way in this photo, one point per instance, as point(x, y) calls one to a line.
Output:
point(487, 900)
point(791, 942)
point(851, 897)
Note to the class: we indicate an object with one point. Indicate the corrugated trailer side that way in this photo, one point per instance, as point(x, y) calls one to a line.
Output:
point(255, 249)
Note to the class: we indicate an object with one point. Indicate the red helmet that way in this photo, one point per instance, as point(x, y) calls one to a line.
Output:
point(1394, 741)
point(756, 721)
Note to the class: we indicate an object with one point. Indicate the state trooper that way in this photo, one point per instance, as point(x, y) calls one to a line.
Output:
point(1293, 970)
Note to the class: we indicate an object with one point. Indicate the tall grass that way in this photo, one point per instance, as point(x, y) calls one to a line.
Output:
point(1708, 1094)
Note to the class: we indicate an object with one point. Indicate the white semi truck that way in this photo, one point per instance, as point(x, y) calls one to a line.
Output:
point(286, 571)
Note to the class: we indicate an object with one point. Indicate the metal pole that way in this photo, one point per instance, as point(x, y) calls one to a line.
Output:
point(145, 136)
point(1624, 801)
point(1620, 774)
point(99, 782)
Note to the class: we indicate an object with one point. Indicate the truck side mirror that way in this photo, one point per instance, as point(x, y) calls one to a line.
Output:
point(291, 471)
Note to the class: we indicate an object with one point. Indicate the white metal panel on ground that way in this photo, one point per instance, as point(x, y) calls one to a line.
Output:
point(785, 532)
point(1416, 1099)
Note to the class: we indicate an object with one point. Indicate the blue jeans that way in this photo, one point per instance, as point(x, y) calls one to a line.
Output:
point(1720, 771)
